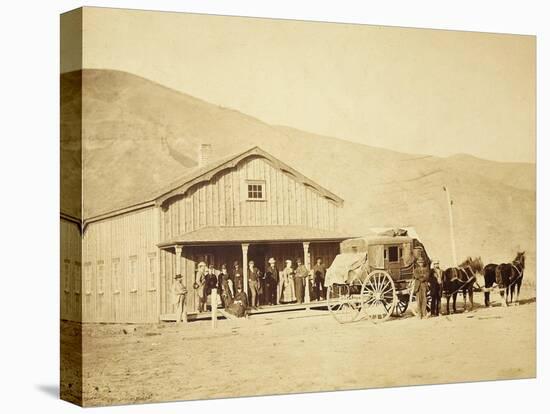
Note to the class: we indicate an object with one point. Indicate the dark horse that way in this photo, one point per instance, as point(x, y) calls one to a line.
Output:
point(507, 276)
point(461, 278)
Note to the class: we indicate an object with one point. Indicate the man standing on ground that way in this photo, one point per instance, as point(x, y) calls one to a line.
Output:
point(435, 289)
point(180, 298)
point(420, 286)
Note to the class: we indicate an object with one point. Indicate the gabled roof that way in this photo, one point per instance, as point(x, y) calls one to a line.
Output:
point(209, 171)
point(205, 174)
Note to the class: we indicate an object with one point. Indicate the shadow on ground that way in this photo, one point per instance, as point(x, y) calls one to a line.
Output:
point(49, 389)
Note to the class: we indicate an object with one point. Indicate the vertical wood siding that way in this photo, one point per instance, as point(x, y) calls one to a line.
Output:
point(70, 271)
point(223, 201)
point(126, 246)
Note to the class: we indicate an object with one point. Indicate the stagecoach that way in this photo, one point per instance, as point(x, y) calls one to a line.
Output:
point(372, 277)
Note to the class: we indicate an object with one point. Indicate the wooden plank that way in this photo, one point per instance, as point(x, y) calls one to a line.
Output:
point(226, 314)
point(290, 308)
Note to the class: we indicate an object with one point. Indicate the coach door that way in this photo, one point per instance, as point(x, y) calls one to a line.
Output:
point(393, 257)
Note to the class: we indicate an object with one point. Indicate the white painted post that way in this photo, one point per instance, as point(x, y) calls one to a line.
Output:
point(307, 299)
point(178, 259)
point(214, 305)
point(451, 225)
point(178, 272)
point(244, 247)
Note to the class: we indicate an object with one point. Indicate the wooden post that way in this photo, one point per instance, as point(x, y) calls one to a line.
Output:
point(451, 225)
point(307, 299)
point(244, 247)
point(178, 272)
point(214, 306)
point(178, 259)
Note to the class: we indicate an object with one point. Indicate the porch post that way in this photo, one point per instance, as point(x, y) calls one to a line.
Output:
point(183, 314)
point(244, 247)
point(178, 260)
point(307, 299)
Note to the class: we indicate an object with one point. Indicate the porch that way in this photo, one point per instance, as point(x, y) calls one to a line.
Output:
point(226, 245)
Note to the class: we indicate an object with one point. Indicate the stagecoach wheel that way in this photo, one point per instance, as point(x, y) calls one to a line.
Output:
point(378, 297)
point(341, 303)
point(401, 305)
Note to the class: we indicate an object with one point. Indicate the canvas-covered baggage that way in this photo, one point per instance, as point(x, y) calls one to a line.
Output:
point(345, 267)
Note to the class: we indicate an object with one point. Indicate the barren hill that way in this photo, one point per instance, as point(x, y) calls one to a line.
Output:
point(140, 136)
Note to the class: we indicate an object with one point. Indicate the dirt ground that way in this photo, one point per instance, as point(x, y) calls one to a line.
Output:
point(301, 351)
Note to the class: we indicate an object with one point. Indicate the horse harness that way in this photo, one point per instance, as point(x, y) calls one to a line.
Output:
point(448, 295)
point(520, 273)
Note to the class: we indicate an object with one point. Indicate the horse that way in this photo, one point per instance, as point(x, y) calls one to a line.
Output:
point(490, 278)
point(470, 269)
point(450, 285)
point(507, 276)
point(510, 276)
point(461, 278)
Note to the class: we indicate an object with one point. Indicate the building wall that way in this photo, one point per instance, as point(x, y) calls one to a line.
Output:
point(223, 202)
point(123, 276)
point(70, 271)
point(121, 268)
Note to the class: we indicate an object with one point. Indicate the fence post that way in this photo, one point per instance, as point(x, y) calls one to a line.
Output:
point(214, 306)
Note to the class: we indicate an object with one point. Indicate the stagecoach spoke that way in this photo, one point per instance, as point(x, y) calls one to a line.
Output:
point(378, 295)
point(383, 288)
point(341, 303)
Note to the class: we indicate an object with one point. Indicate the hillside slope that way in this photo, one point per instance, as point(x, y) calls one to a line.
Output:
point(139, 136)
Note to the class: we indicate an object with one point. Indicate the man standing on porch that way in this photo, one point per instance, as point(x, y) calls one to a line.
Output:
point(319, 272)
point(287, 294)
point(237, 276)
point(271, 282)
point(253, 284)
point(199, 285)
point(301, 280)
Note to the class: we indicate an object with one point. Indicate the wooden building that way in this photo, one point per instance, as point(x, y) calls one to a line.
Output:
point(245, 206)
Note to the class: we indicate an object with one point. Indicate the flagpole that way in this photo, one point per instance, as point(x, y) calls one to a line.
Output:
point(451, 225)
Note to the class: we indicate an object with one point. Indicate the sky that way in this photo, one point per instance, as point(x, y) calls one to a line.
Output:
point(412, 90)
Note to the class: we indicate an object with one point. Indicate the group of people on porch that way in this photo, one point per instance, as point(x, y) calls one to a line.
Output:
point(270, 287)
point(273, 286)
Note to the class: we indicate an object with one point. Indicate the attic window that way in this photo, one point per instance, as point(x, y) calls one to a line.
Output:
point(256, 190)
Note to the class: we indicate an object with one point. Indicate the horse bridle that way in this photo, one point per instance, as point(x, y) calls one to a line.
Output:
point(520, 273)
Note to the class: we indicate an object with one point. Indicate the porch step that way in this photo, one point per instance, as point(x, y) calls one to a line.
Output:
point(191, 316)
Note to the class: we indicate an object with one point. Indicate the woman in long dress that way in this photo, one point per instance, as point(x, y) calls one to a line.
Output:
point(287, 282)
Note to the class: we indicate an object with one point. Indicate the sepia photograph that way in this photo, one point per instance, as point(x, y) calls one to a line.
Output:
point(257, 206)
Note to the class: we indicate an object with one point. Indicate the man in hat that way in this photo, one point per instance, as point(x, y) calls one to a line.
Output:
point(180, 299)
point(237, 276)
point(254, 277)
point(271, 282)
point(420, 274)
point(435, 281)
point(211, 282)
point(319, 272)
point(300, 280)
point(225, 286)
point(199, 285)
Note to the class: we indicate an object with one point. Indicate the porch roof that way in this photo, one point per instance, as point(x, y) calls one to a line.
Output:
point(254, 234)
